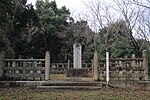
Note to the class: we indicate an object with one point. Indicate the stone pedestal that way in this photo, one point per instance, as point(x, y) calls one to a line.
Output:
point(77, 73)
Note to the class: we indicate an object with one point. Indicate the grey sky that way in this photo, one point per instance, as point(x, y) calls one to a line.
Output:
point(73, 5)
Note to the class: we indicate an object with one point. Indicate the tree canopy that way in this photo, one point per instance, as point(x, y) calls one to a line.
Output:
point(30, 31)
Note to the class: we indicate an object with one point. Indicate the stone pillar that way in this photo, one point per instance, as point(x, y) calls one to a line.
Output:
point(47, 65)
point(77, 56)
point(92, 65)
point(133, 65)
point(68, 64)
point(2, 64)
point(95, 65)
point(133, 61)
point(145, 64)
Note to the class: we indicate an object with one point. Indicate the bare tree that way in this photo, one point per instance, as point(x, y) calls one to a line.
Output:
point(131, 14)
point(142, 3)
point(100, 16)
point(143, 29)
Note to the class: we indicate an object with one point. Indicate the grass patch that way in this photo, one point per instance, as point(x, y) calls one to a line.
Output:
point(103, 94)
point(57, 76)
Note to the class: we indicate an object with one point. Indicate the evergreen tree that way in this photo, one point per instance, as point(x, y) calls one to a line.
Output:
point(52, 23)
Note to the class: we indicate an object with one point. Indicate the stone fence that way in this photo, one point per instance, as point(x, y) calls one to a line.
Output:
point(24, 69)
point(126, 69)
point(40, 69)
point(60, 68)
point(33, 69)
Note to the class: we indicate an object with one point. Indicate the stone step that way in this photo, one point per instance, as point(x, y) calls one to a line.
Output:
point(69, 87)
point(65, 83)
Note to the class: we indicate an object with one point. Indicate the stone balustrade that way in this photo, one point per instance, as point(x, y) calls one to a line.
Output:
point(41, 69)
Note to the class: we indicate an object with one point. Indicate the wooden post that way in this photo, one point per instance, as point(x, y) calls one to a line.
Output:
point(2, 64)
point(47, 65)
point(145, 64)
point(95, 65)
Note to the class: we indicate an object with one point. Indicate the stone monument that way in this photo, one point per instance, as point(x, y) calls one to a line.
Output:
point(77, 56)
point(77, 70)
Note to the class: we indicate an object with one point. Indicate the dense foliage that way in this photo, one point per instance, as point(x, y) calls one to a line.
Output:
point(114, 39)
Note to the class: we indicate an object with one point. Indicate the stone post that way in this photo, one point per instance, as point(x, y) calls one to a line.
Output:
point(47, 65)
point(2, 64)
point(68, 64)
point(133, 65)
point(95, 65)
point(92, 65)
point(145, 64)
point(133, 61)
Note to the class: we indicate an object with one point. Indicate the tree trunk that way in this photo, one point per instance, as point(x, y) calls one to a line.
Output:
point(135, 44)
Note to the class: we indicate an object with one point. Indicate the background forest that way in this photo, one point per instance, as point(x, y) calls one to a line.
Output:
point(30, 31)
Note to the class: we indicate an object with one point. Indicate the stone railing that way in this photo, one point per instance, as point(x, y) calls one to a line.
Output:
point(33, 69)
point(40, 69)
point(124, 68)
point(24, 69)
point(60, 68)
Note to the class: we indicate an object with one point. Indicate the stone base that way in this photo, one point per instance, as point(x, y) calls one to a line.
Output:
point(77, 73)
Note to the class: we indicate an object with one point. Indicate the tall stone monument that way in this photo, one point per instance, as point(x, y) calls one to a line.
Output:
point(77, 70)
point(77, 56)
